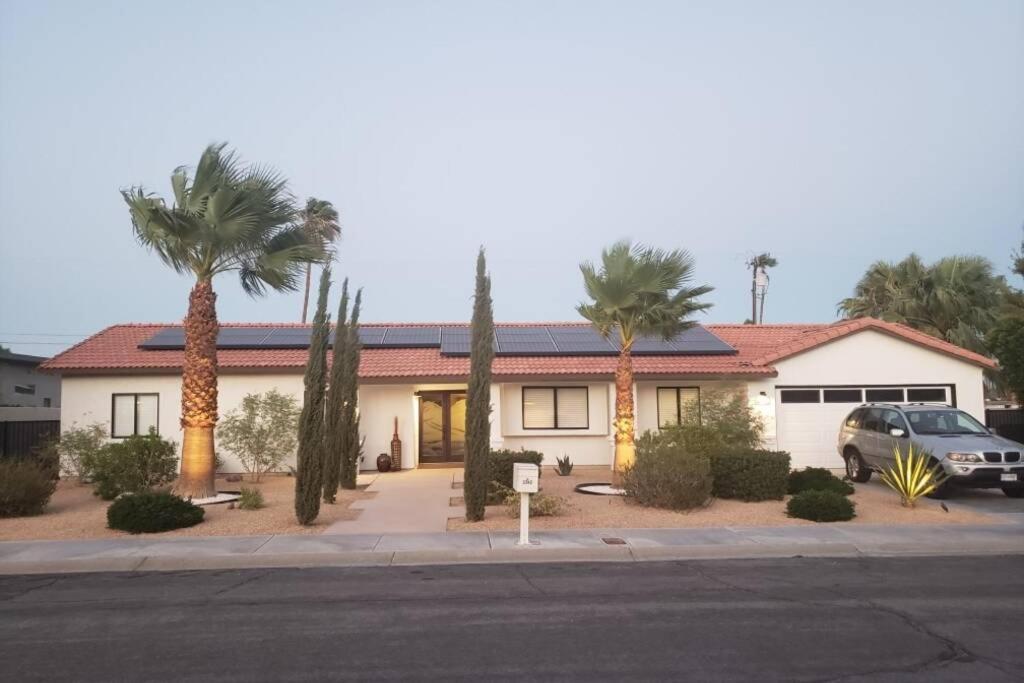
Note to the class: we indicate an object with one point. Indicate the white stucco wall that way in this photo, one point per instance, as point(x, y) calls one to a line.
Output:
point(591, 446)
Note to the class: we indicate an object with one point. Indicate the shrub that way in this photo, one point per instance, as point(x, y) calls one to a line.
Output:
point(150, 512)
point(250, 499)
point(817, 479)
point(541, 504)
point(564, 466)
point(262, 432)
point(725, 421)
point(132, 465)
point(25, 486)
point(665, 475)
point(77, 447)
point(502, 461)
point(750, 475)
point(820, 506)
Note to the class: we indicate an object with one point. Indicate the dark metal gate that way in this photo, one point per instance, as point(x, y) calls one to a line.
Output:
point(1008, 423)
point(18, 439)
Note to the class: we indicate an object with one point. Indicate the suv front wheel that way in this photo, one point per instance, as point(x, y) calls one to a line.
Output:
point(856, 469)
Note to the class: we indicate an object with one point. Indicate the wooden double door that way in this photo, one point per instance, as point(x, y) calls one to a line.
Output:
point(442, 426)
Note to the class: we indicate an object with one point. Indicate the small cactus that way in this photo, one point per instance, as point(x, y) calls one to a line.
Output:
point(564, 466)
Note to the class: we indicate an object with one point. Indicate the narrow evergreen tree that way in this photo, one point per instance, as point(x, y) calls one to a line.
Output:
point(334, 442)
point(309, 468)
point(478, 399)
point(350, 456)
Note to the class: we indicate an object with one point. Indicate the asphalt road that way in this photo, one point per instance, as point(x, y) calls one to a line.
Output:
point(927, 619)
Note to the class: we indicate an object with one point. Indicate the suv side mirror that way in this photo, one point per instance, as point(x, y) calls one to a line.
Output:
point(897, 432)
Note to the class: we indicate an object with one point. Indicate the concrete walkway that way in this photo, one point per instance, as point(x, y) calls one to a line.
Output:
point(411, 501)
point(631, 545)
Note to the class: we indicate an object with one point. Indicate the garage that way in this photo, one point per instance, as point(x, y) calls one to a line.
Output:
point(808, 417)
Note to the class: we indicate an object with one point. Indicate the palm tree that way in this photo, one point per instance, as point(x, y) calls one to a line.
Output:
point(761, 262)
point(956, 298)
point(320, 221)
point(227, 217)
point(639, 291)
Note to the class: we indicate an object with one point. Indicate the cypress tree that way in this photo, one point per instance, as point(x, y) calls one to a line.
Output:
point(350, 456)
point(478, 399)
point(309, 468)
point(334, 446)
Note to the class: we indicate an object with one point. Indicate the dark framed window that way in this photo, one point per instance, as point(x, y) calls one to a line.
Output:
point(855, 418)
point(29, 389)
point(46, 403)
point(132, 414)
point(843, 396)
point(873, 420)
point(884, 395)
point(556, 408)
point(931, 395)
point(800, 396)
point(677, 405)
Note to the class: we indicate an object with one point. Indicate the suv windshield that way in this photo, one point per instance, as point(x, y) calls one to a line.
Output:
point(944, 422)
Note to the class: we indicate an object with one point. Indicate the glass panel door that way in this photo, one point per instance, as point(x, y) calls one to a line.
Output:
point(457, 427)
point(432, 446)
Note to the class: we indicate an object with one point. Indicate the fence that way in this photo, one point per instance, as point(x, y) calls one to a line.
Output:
point(19, 438)
point(1008, 423)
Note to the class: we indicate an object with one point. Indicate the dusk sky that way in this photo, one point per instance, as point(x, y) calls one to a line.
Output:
point(831, 134)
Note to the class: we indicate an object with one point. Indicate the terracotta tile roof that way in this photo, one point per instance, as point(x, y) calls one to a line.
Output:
point(115, 350)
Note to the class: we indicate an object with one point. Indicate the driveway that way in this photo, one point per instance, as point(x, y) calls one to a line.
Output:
point(986, 501)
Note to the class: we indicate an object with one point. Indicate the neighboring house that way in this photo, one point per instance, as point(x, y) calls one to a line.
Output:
point(23, 386)
point(552, 387)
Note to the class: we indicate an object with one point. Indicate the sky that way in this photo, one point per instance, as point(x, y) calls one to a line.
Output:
point(831, 134)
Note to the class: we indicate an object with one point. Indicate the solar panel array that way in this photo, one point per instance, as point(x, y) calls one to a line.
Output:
point(539, 340)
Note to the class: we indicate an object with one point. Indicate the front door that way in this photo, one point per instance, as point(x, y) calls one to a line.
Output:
point(442, 426)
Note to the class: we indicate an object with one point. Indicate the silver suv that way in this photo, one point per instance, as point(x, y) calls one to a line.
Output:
point(971, 454)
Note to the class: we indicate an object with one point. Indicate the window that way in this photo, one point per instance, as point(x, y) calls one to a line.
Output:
point(555, 408)
point(935, 395)
point(677, 404)
point(134, 414)
point(29, 389)
point(892, 420)
point(46, 403)
point(843, 396)
point(855, 418)
point(885, 395)
point(873, 420)
point(801, 396)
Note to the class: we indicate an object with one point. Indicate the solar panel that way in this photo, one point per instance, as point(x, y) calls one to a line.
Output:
point(580, 341)
point(700, 341)
point(455, 341)
point(169, 338)
point(412, 337)
point(288, 338)
point(527, 348)
point(242, 337)
point(522, 334)
point(371, 336)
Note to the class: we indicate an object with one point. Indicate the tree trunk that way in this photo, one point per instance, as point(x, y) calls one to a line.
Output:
point(199, 394)
point(305, 297)
point(625, 427)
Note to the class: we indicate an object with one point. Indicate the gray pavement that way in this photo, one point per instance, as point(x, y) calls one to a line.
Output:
point(831, 540)
point(928, 619)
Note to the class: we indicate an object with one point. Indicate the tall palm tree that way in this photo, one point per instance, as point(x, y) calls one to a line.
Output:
point(956, 298)
point(759, 262)
point(320, 221)
point(637, 292)
point(227, 217)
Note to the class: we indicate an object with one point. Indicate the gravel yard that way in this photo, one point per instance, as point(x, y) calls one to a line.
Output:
point(75, 513)
point(873, 504)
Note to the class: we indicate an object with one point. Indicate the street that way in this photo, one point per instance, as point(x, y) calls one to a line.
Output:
point(927, 619)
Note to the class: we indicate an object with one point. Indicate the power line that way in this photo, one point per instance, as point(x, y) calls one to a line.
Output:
point(41, 334)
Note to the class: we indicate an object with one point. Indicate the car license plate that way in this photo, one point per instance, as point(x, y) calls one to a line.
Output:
point(1008, 476)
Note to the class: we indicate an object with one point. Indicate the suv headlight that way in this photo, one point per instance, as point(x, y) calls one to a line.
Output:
point(964, 457)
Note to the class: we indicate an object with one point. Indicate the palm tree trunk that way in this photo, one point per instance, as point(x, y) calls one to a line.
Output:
point(305, 298)
point(199, 393)
point(625, 427)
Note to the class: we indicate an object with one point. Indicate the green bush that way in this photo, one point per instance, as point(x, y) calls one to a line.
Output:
point(541, 504)
point(750, 475)
point(502, 461)
point(817, 479)
point(250, 499)
point(820, 506)
point(26, 485)
point(135, 464)
point(724, 422)
point(150, 512)
point(666, 476)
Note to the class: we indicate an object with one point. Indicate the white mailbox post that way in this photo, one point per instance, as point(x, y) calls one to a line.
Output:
point(525, 480)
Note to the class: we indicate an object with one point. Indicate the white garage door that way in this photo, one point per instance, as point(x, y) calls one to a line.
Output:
point(807, 419)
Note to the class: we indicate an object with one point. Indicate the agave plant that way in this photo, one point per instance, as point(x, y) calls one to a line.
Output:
point(913, 477)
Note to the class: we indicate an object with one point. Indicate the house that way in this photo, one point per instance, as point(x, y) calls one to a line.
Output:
point(552, 384)
point(23, 386)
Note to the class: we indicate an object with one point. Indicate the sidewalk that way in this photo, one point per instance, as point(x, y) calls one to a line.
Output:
point(629, 545)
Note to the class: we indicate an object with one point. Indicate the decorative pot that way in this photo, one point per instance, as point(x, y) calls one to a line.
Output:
point(383, 462)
